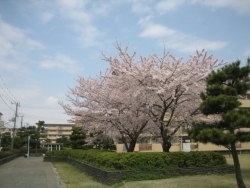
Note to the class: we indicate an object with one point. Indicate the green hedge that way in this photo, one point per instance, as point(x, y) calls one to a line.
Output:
point(4, 154)
point(33, 150)
point(142, 161)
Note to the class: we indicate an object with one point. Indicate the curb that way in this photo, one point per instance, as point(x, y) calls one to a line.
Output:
point(60, 182)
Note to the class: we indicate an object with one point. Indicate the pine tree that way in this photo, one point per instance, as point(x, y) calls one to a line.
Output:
point(221, 98)
point(77, 138)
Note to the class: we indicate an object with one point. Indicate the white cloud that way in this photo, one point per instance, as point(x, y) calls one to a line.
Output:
point(46, 17)
point(241, 6)
point(103, 8)
point(168, 5)
point(33, 45)
point(156, 31)
point(81, 16)
point(199, 44)
point(15, 46)
point(61, 61)
point(16, 37)
point(141, 7)
point(247, 52)
point(189, 44)
point(81, 21)
point(88, 35)
point(73, 4)
point(177, 40)
point(27, 92)
point(50, 101)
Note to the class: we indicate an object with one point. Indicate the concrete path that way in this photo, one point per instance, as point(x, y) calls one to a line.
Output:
point(29, 172)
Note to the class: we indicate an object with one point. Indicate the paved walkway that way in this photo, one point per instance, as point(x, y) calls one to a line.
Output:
point(29, 172)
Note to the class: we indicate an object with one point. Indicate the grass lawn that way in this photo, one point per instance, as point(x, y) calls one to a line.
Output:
point(74, 178)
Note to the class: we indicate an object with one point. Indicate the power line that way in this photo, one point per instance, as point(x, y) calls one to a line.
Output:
point(40, 117)
point(31, 116)
point(6, 103)
point(8, 90)
point(35, 116)
point(7, 123)
point(39, 107)
point(9, 99)
point(5, 93)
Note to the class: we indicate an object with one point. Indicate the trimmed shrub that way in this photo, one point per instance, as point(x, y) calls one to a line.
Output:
point(38, 150)
point(5, 154)
point(142, 161)
point(5, 149)
point(15, 151)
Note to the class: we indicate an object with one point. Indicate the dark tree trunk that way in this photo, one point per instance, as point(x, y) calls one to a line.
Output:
point(166, 142)
point(237, 169)
point(131, 146)
point(125, 143)
point(166, 145)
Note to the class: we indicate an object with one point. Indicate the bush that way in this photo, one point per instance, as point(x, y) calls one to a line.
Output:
point(15, 151)
point(5, 149)
point(142, 161)
point(5, 154)
point(39, 150)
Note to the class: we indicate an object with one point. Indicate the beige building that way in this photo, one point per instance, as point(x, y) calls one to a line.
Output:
point(245, 101)
point(54, 131)
point(181, 141)
point(3, 129)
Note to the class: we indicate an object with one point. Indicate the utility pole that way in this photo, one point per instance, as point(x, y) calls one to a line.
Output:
point(14, 130)
point(21, 121)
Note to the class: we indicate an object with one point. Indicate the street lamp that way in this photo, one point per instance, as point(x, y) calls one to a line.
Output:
point(0, 140)
point(28, 153)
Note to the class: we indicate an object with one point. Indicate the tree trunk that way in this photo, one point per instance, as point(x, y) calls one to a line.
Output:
point(237, 169)
point(166, 145)
point(131, 146)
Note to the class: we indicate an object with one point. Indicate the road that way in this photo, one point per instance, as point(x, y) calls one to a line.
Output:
point(29, 172)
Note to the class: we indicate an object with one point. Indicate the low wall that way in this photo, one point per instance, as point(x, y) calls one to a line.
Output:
point(112, 177)
point(12, 157)
point(35, 154)
point(8, 159)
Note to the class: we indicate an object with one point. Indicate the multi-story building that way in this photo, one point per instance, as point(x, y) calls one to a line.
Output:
point(181, 141)
point(54, 131)
point(3, 129)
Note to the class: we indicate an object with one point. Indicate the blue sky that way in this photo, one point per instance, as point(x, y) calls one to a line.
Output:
point(46, 44)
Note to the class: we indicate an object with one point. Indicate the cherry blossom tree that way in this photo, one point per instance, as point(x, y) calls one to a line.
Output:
point(136, 96)
point(100, 107)
point(167, 86)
